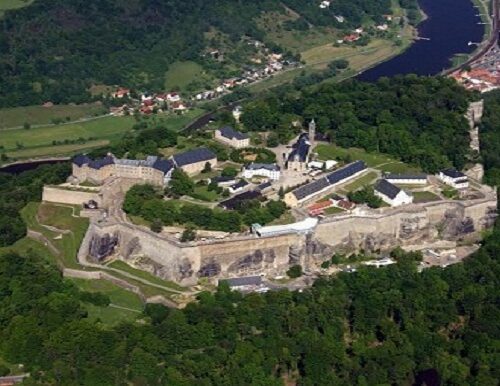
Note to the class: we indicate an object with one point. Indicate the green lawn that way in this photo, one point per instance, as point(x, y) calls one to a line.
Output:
point(360, 182)
point(419, 197)
point(334, 210)
point(178, 122)
point(38, 115)
point(122, 266)
point(109, 128)
point(399, 168)
point(59, 150)
point(202, 193)
point(333, 152)
point(119, 297)
point(181, 74)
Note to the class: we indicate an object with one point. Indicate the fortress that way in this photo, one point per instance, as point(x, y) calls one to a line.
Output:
point(273, 253)
point(266, 250)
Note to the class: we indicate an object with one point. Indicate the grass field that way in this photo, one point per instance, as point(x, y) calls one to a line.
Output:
point(360, 182)
point(181, 74)
point(125, 305)
point(399, 168)
point(202, 193)
point(419, 197)
point(38, 141)
point(43, 151)
point(333, 210)
point(335, 152)
point(39, 115)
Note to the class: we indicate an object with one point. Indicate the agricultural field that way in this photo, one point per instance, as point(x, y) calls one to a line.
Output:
point(108, 128)
point(40, 115)
point(79, 136)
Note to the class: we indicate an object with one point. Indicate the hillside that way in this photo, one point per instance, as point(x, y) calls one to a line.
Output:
point(55, 50)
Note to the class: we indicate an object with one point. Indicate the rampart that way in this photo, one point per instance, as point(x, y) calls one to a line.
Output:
point(248, 254)
point(70, 196)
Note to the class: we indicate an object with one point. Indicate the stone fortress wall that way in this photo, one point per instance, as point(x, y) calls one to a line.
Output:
point(70, 196)
point(248, 254)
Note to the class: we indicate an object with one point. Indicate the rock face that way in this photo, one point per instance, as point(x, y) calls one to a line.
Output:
point(245, 255)
point(102, 246)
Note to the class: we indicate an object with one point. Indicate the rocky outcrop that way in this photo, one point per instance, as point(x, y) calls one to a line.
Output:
point(245, 255)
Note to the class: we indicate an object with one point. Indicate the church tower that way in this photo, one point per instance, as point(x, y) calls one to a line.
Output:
point(312, 132)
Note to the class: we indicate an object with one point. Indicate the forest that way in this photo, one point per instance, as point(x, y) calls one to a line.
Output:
point(376, 326)
point(419, 120)
point(55, 50)
point(489, 132)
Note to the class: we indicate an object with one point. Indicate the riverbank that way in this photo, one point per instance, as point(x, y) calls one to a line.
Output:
point(447, 34)
point(30, 164)
point(483, 7)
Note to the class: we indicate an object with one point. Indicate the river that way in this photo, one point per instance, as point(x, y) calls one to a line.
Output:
point(450, 26)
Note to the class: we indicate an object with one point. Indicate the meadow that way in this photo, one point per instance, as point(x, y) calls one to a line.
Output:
point(181, 74)
point(40, 115)
point(109, 128)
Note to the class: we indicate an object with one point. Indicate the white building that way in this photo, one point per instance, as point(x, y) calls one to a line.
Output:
point(391, 194)
point(380, 263)
point(271, 171)
point(304, 226)
point(407, 179)
point(319, 164)
point(238, 187)
point(454, 178)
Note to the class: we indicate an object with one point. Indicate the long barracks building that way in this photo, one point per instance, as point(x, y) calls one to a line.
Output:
point(322, 185)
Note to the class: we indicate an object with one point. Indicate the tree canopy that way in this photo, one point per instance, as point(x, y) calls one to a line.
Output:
point(420, 120)
point(55, 50)
point(375, 326)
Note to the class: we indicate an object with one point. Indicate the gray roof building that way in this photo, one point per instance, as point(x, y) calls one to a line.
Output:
point(230, 133)
point(331, 179)
point(258, 166)
point(193, 156)
point(453, 173)
point(300, 150)
point(387, 189)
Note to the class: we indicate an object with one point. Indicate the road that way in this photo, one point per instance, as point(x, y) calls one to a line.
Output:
point(493, 39)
